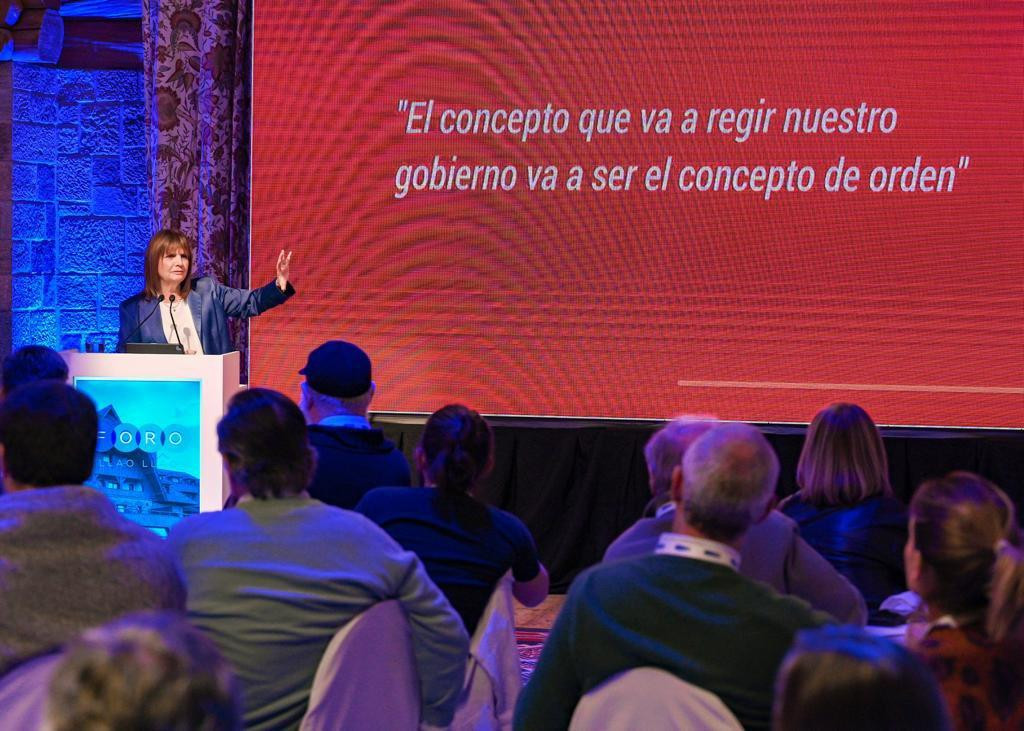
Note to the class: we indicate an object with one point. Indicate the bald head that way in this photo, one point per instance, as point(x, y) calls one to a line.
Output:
point(729, 476)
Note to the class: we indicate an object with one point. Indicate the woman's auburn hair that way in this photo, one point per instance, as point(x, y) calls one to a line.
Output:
point(163, 241)
point(966, 530)
point(843, 460)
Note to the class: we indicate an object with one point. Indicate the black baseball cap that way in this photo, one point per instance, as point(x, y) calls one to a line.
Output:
point(338, 369)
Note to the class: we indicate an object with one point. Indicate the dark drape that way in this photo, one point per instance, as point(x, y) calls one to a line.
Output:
point(577, 486)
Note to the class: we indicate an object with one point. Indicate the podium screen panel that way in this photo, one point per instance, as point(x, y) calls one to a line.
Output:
point(148, 451)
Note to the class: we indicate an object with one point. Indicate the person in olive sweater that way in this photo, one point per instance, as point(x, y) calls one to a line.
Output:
point(68, 559)
point(684, 608)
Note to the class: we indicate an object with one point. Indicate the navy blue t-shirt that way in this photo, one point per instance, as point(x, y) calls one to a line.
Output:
point(465, 558)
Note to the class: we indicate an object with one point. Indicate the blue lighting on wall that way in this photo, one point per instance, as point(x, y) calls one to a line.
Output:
point(80, 211)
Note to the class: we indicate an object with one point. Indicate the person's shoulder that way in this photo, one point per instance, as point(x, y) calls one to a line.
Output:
point(803, 511)
point(638, 539)
point(613, 579)
point(355, 528)
point(888, 506)
point(196, 525)
point(352, 523)
point(777, 525)
point(612, 587)
point(511, 526)
point(399, 493)
point(77, 506)
point(784, 609)
point(370, 442)
point(132, 302)
point(60, 498)
point(780, 520)
point(375, 496)
point(27, 502)
point(380, 499)
point(792, 504)
point(320, 434)
point(198, 520)
point(394, 453)
point(204, 285)
point(506, 520)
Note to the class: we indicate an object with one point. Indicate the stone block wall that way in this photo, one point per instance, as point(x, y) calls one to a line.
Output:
point(80, 205)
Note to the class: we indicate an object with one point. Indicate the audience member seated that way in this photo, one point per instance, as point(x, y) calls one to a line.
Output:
point(33, 363)
point(684, 608)
point(844, 679)
point(845, 507)
point(151, 671)
point(352, 456)
point(964, 559)
point(272, 580)
point(466, 546)
point(68, 559)
point(772, 550)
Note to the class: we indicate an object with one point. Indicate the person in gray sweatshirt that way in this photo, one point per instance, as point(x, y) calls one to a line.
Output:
point(271, 580)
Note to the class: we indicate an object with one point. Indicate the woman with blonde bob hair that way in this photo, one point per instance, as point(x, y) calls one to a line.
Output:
point(964, 558)
point(845, 506)
point(193, 311)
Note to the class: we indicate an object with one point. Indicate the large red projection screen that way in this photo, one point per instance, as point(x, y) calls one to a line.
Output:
point(628, 209)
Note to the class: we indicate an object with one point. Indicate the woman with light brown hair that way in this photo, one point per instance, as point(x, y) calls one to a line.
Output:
point(845, 506)
point(193, 312)
point(964, 559)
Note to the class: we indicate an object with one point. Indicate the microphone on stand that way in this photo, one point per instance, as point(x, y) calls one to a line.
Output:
point(173, 324)
point(143, 322)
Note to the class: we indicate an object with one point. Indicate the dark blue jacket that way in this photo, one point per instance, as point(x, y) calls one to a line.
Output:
point(351, 462)
point(211, 307)
point(864, 542)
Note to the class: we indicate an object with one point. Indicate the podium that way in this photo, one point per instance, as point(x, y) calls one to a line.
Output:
point(156, 456)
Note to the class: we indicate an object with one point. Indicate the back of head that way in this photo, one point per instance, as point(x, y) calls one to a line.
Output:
point(339, 379)
point(48, 432)
point(457, 448)
point(150, 671)
point(844, 679)
point(965, 529)
point(263, 440)
point(843, 460)
point(33, 363)
point(729, 477)
point(665, 449)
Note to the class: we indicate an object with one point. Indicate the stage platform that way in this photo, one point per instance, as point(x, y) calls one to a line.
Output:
point(579, 483)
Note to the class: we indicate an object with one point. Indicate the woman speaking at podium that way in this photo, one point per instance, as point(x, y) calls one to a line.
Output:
point(193, 313)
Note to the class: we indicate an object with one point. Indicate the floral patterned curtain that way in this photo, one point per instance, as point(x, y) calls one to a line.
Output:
point(197, 73)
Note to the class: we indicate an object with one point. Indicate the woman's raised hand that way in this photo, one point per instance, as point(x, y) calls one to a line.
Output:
point(283, 269)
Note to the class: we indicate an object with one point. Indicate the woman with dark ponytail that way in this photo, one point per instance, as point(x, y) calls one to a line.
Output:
point(963, 557)
point(465, 544)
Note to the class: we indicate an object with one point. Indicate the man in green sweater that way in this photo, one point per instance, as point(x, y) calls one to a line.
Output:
point(684, 608)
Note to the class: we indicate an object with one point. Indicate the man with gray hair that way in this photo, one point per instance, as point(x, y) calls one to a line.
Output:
point(352, 456)
point(772, 550)
point(683, 608)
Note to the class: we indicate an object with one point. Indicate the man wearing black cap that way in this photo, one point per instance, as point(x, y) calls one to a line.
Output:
point(353, 457)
